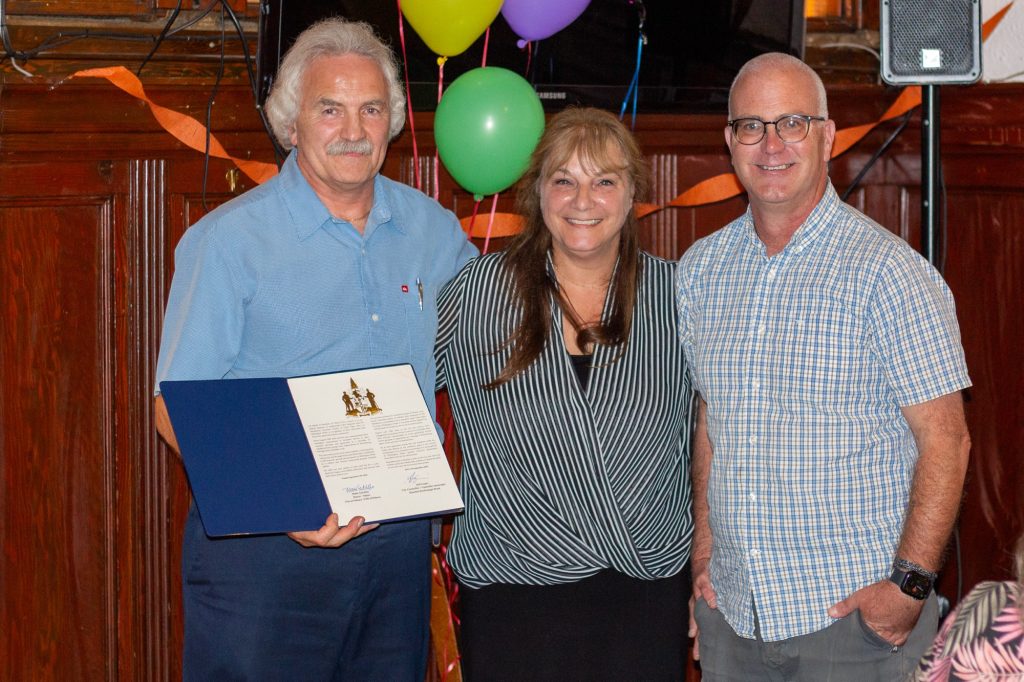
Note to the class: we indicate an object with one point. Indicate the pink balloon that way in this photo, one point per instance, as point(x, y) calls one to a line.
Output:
point(538, 19)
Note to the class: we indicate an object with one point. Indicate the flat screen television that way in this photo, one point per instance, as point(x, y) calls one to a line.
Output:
point(693, 49)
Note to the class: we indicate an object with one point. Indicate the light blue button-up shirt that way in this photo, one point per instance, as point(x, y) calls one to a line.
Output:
point(271, 285)
point(804, 360)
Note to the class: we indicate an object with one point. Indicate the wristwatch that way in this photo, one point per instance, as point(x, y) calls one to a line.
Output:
point(913, 580)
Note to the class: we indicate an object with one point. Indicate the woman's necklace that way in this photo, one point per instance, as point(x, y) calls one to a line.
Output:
point(560, 278)
point(599, 300)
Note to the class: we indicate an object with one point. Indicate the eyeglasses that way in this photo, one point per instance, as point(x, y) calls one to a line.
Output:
point(790, 128)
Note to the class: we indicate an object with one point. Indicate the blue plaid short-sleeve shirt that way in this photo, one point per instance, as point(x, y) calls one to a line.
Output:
point(804, 360)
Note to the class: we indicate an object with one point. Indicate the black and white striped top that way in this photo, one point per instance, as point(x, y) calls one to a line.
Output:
point(560, 483)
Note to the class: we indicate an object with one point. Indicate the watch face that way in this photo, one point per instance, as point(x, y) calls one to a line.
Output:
point(916, 585)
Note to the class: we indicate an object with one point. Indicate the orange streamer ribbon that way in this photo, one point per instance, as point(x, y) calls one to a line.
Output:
point(993, 21)
point(500, 225)
point(186, 129)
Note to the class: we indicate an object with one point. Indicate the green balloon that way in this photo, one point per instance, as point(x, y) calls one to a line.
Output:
point(486, 126)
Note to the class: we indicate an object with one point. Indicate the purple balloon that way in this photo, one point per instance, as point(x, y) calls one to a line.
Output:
point(538, 19)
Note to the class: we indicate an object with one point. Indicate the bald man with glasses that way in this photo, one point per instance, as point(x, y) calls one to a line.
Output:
point(831, 444)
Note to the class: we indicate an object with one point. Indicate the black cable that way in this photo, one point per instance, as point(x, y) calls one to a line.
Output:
point(940, 263)
point(874, 157)
point(160, 38)
point(195, 20)
point(209, 107)
point(279, 152)
point(9, 50)
point(245, 44)
point(61, 38)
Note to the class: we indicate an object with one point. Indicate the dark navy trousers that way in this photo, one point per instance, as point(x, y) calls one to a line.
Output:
point(265, 608)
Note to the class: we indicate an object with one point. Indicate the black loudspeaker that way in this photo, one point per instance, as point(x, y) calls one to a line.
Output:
point(931, 41)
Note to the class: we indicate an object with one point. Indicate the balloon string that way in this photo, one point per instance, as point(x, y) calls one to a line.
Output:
point(450, 583)
point(490, 223)
point(634, 89)
point(441, 573)
point(447, 576)
point(472, 218)
point(440, 77)
point(437, 162)
point(529, 58)
point(487, 40)
point(408, 99)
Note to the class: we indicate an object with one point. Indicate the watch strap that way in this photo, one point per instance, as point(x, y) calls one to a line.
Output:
point(910, 566)
point(913, 580)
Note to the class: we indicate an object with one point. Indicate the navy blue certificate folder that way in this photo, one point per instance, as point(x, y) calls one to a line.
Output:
point(247, 457)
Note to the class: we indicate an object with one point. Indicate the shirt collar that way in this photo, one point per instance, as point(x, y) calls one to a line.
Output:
point(813, 226)
point(309, 214)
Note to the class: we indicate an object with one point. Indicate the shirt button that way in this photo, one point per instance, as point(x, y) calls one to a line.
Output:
point(770, 275)
point(375, 317)
point(753, 497)
point(760, 330)
point(755, 385)
point(753, 440)
point(755, 553)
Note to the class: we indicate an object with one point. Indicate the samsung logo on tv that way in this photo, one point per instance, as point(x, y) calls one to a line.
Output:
point(552, 95)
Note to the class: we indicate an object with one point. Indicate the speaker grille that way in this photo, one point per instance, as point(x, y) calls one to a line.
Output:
point(931, 41)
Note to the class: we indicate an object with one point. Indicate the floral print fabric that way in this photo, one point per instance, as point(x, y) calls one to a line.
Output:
point(982, 640)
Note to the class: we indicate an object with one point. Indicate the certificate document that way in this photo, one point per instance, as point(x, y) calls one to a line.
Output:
point(375, 444)
point(273, 455)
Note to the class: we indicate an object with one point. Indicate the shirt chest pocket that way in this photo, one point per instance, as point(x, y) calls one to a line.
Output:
point(821, 349)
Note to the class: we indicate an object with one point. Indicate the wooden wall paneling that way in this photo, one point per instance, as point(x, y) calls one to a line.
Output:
point(109, 124)
point(60, 569)
point(236, 5)
point(888, 192)
point(150, 532)
point(684, 150)
point(108, 8)
point(985, 269)
point(983, 171)
point(659, 232)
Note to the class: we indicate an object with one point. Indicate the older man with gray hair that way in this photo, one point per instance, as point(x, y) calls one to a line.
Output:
point(327, 266)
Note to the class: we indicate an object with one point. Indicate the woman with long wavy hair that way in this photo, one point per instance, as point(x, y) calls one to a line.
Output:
point(571, 401)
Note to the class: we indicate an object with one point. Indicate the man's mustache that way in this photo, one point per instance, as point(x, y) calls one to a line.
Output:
point(339, 147)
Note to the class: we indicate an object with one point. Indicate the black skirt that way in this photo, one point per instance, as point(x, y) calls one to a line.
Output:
point(606, 627)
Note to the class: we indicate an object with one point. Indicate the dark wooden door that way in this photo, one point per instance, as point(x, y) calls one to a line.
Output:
point(63, 507)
